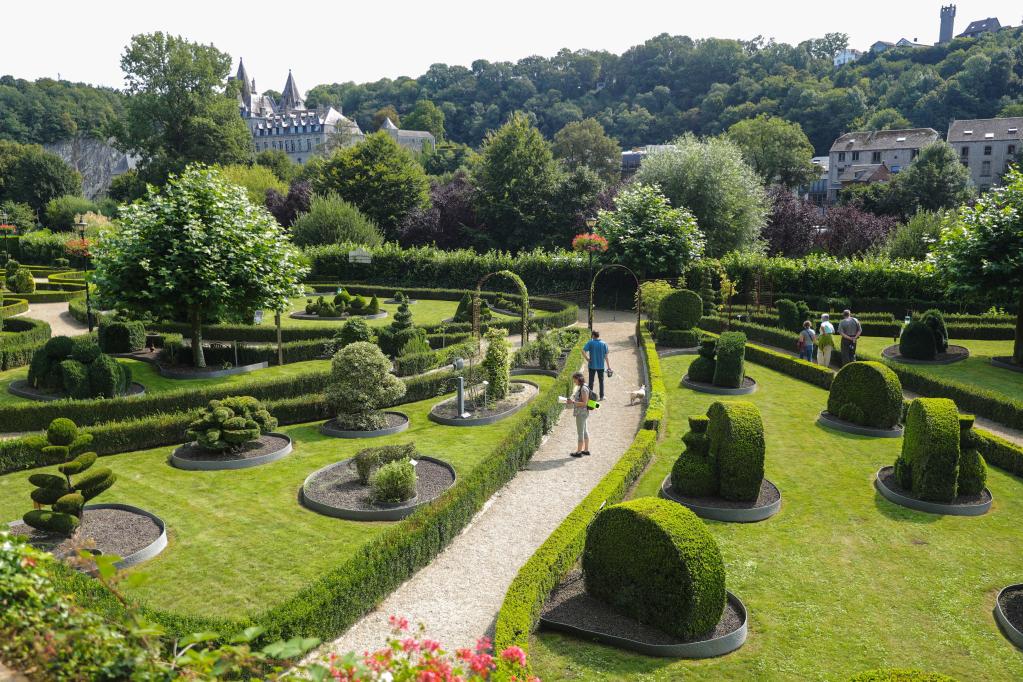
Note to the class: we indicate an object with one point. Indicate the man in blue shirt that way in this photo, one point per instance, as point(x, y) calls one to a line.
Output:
point(595, 351)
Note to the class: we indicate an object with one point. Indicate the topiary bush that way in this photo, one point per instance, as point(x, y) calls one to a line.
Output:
point(66, 496)
point(370, 459)
point(360, 383)
point(463, 313)
point(227, 425)
point(972, 467)
point(917, 341)
point(695, 472)
point(681, 309)
point(394, 482)
point(678, 338)
point(78, 368)
point(655, 561)
point(702, 368)
point(866, 393)
point(18, 279)
point(737, 447)
point(355, 329)
point(373, 307)
point(788, 315)
point(496, 364)
point(730, 360)
point(121, 336)
point(935, 321)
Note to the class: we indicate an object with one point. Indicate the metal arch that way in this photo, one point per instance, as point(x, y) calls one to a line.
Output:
point(523, 293)
point(639, 297)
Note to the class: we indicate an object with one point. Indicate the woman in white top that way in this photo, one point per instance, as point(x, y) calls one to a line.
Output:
point(825, 340)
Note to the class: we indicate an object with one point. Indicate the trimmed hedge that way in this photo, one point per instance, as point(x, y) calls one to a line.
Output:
point(680, 309)
point(737, 447)
point(678, 338)
point(655, 560)
point(657, 404)
point(929, 462)
point(14, 306)
point(730, 360)
point(122, 336)
point(868, 394)
point(978, 327)
point(29, 336)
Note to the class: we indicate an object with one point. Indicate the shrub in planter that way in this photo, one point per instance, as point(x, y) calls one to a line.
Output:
point(357, 306)
point(496, 364)
point(393, 482)
point(730, 361)
point(77, 368)
point(360, 384)
point(695, 472)
point(18, 279)
point(463, 313)
point(226, 425)
point(351, 331)
point(868, 394)
point(917, 341)
point(342, 298)
point(373, 307)
point(702, 368)
point(122, 336)
point(66, 496)
point(681, 309)
point(655, 561)
point(370, 459)
point(935, 321)
point(737, 447)
point(972, 467)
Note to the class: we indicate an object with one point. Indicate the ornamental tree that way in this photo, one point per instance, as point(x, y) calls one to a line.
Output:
point(981, 253)
point(198, 248)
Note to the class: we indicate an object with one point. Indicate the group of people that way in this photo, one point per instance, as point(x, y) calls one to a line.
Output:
point(816, 345)
point(583, 401)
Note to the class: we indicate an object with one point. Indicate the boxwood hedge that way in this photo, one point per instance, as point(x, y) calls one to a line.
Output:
point(868, 394)
point(26, 336)
point(929, 462)
point(917, 341)
point(730, 361)
point(737, 447)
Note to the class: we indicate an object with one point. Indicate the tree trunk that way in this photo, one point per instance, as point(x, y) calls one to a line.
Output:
point(1017, 346)
point(198, 358)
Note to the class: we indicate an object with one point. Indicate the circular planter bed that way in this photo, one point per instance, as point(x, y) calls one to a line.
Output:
point(393, 301)
point(184, 372)
point(954, 354)
point(767, 504)
point(306, 316)
point(335, 491)
point(520, 371)
point(446, 412)
point(973, 505)
point(131, 533)
point(748, 386)
point(1009, 613)
point(511, 313)
point(396, 423)
point(832, 422)
point(572, 610)
point(1005, 362)
point(269, 448)
point(21, 389)
point(665, 352)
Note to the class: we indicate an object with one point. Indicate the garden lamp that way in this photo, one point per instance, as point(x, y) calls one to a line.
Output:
point(81, 225)
point(591, 223)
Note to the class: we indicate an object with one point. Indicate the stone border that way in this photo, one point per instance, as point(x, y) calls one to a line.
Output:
point(16, 388)
point(522, 371)
point(1004, 362)
point(726, 514)
point(328, 430)
point(710, 648)
point(896, 356)
point(1008, 629)
point(719, 390)
point(484, 421)
point(147, 552)
point(395, 513)
point(931, 507)
point(221, 464)
point(830, 421)
point(192, 373)
point(305, 316)
point(667, 352)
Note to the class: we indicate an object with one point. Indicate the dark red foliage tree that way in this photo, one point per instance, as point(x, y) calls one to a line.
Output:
point(451, 220)
point(849, 231)
point(287, 208)
point(792, 225)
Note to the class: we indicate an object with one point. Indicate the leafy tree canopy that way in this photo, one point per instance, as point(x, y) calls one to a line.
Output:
point(777, 150)
point(426, 116)
point(584, 143)
point(30, 175)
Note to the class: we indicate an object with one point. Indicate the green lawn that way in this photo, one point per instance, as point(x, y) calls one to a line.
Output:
point(424, 312)
point(146, 374)
point(841, 580)
point(239, 540)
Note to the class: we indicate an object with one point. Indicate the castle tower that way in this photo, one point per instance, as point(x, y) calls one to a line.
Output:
point(948, 17)
point(290, 97)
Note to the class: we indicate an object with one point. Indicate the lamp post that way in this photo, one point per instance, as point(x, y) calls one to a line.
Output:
point(81, 225)
point(591, 222)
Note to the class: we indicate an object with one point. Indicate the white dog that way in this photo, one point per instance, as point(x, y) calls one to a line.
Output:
point(639, 394)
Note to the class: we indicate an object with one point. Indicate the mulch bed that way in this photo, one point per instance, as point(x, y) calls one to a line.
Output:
point(887, 476)
point(570, 603)
point(768, 495)
point(518, 393)
point(746, 383)
point(111, 531)
point(1011, 602)
point(339, 486)
point(954, 354)
point(266, 444)
point(391, 418)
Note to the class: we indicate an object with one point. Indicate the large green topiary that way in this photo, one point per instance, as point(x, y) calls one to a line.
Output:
point(935, 321)
point(360, 384)
point(695, 471)
point(497, 364)
point(122, 336)
point(868, 394)
point(227, 425)
point(78, 368)
point(917, 342)
point(355, 329)
point(730, 363)
point(702, 368)
point(65, 495)
point(972, 467)
point(655, 561)
point(680, 309)
point(737, 447)
point(788, 315)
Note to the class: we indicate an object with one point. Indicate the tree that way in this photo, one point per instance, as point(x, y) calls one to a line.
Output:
point(711, 179)
point(426, 116)
point(30, 175)
point(885, 119)
point(177, 111)
point(200, 248)
point(446, 157)
point(792, 226)
point(361, 383)
point(255, 180)
point(60, 213)
point(981, 253)
point(450, 222)
point(277, 160)
point(332, 220)
point(383, 180)
point(936, 180)
point(778, 150)
point(848, 231)
point(384, 113)
point(286, 208)
point(916, 238)
point(584, 143)
point(647, 235)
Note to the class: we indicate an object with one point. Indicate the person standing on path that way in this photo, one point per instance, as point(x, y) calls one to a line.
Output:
point(581, 411)
point(807, 339)
point(851, 330)
point(596, 353)
point(825, 340)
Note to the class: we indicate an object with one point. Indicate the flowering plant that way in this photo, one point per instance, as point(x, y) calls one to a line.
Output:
point(414, 658)
point(593, 243)
point(79, 248)
point(4, 227)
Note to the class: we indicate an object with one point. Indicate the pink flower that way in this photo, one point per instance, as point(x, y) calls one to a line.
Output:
point(430, 645)
point(514, 653)
point(398, 623)
point(483, 644)
point(409, 644)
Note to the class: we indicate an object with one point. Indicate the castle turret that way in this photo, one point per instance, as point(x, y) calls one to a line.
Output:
point(948, 16)
point(290, 97)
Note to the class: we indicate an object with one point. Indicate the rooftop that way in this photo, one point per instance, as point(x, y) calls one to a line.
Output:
point(870, 140)
point(985, 129)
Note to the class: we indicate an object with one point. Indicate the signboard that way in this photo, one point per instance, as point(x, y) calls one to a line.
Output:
point(360, 255)
point(257, 318)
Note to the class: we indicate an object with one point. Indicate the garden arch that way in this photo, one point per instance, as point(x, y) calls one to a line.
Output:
point(639, 297)
point(523, 292)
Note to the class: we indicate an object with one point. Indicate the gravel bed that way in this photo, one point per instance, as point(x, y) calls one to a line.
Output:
point(114, 531)
point(570, 603)
point(339, 487)
point(887, 476)
point(267, 444)
point(392, 418)
point(768, 495)
point(22, 389)
point(525, 393)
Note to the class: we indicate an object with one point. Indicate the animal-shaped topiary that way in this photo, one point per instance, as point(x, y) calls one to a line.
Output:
point(702, 368)
point(866, 393)
point(917, 342)
point(730, 361)
point(65, 495)
point(724, 455)
point(655, 561)
point(227, 425)
point(695, 472)
point(935, 321)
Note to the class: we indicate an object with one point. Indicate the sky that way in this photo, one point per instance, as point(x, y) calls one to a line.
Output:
point(328, 42)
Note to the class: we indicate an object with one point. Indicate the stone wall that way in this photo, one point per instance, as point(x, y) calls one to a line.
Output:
point(97, 161)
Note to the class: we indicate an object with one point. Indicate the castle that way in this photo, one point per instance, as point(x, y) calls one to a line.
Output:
point(300, 132)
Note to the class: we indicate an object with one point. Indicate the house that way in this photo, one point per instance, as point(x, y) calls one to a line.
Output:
point(880, 46)
point(978, 28)
point(846, 56)
point(987, 147)
point(858, 157)
point(816, 191)
point(415, 140)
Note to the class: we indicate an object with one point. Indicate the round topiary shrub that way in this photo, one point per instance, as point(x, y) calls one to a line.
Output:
point(737, 448)
point(226, 425)
point(355, 329)
point(868, 394)
point(702, 368)
point(788, 315)
point(730, 363)
point(122, 336)
point(655, 561)
point(917, 342)
point(360, 384)
point(394, 482)
point(77, 368)
point(695, 472)
point(899, 675)
point(680, 309)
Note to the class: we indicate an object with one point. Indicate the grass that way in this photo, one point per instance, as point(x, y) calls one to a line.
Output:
point(146, 374)
point(239, 540)
point(424, 312)
point(841, 580)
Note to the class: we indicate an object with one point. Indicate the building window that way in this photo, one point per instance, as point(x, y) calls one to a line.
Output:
point(913, 154)
point(1011, 151)
point(964, 152)
point(985, 169)
point(841, 156)
point(987, 150)
point(856, 156)
point(875, 157)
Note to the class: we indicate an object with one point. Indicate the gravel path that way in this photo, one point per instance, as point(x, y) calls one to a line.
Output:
point(60, 320)
point(458, 596)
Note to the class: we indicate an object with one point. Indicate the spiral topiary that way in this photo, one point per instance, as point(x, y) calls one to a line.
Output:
point(360, 384)
point(655, 561)
point(680, 309)
point(917, 342)
point(227, 425)
point(866, 393)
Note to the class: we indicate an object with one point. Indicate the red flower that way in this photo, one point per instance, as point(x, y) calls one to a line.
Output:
point(586, 242)
point(8, 228)
point(514, 653)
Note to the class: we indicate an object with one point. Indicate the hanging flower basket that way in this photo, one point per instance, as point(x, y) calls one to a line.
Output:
point(589, 243)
